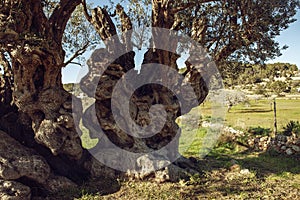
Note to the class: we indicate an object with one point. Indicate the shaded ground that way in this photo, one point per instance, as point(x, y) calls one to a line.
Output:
point(246, 175)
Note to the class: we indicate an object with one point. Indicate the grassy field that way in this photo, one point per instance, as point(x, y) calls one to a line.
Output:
point(267, 175)
point(241, 116)
point(259, 113)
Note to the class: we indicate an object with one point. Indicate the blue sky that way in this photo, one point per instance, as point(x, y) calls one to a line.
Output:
point(289, 37)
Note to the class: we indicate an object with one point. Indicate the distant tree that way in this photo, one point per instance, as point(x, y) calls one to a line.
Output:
point(260, 90)
point(69, 87)
point(232, 72)
point(279, 87)
point(235, 97)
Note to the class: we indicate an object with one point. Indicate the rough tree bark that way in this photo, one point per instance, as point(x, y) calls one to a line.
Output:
point(42, 119)
point(144, 97)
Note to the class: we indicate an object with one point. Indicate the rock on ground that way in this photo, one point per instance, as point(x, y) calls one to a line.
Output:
point(17, 161)
point(11, 190)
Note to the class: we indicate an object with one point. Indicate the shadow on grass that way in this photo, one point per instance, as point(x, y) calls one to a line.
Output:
point(263, 163)
point(252, 111)
point(223, 182)
point(267, 163)
point(217, 180)
point(89, 190)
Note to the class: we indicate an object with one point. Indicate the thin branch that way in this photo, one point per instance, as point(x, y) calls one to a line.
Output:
point(216, 39)
point(76, 63)
point(79, 52)
point(188, 5)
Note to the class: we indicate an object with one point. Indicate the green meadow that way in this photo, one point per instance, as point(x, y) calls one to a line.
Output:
point(259, 113)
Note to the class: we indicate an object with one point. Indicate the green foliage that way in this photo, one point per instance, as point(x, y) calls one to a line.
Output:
point(256, 43)
point(259, 131)
point(260, 90)
point(292, 127)
point(68, 87)
point(296, 84)
point(224, 146)
point(79, 36)
point(279, 87)
point(238, 73)
point(231, 72)
point(224, 28)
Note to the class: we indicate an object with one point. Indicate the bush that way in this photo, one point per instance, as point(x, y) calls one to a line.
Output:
point(279, 87)
point(295, 84)
point(259, 131)
point(260, 90)
point(292, 127)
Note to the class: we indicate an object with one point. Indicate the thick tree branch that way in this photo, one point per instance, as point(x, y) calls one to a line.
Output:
point(225, 52)
point(60, 17)
point(125, 20)
point(105, 27)
point(126, 25)
point(85, 11)
point(199, 29)
point(103, 23)
point(39, 21)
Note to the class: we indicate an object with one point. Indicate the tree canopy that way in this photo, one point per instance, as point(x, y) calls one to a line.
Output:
point(230, 30)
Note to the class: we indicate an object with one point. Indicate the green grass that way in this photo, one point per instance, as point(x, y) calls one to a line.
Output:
point(87, 142)
point(191, 146)
point(259, 113)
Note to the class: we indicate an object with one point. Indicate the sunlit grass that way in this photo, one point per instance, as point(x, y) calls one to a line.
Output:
point(190, 142)
point(87, 142)
point(260, 113)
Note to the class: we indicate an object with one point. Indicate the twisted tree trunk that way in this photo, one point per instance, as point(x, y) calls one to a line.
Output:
point(142, 99)
point(43, 119)
point(41, 123)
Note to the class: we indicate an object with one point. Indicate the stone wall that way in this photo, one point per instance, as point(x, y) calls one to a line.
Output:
point(288, 145)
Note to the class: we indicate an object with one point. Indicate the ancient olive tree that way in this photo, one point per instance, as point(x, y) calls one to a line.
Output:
point(35, 36)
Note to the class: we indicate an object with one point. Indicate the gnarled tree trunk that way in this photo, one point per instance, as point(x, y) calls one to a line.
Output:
point(142, 99)
point(43, 119)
